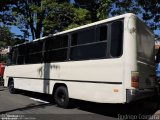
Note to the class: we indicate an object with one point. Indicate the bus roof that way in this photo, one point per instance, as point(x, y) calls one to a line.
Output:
point(96, 23)
point(83, 26)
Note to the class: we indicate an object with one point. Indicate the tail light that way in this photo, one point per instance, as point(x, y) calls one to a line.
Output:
point(134, 79)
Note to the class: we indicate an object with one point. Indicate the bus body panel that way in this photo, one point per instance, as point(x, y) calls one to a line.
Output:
point(130, 55)
point(95, 79)
point(100, 93)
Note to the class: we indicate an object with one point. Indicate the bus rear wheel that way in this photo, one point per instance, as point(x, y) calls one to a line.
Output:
point(61, 97)
point(12, 90)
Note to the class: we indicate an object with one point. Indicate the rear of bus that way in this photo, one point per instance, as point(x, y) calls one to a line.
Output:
point(139, 63)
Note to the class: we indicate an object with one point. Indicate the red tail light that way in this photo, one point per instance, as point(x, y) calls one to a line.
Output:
point(1, 69)
point(134, 79)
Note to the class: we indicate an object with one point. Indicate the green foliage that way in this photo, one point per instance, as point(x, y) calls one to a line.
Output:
point(104, 9)
point(45, 17)
point(148, 9)
point(3, 58)
point(61, 16)
point(42, 17)
point(5, 37)
point(152, 12)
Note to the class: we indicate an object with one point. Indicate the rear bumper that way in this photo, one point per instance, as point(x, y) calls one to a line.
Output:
point(136, 94)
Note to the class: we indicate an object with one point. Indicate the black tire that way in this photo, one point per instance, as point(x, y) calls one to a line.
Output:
point(1, 81)
point(61, 97)
point(12, 90)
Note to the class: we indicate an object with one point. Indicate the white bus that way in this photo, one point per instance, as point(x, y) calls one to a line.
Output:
point(109, 61)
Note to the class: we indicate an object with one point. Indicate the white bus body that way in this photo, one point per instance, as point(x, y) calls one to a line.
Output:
point(115, 80)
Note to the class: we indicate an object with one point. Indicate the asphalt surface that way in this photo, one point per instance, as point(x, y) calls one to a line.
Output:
point(35, 106)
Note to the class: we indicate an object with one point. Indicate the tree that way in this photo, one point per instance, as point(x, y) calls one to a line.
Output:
point(101, 9)
point(62, 16)
point(148, 9)
point(151, 12)
point(5, 37)
point(92, 6)
point(43, 17)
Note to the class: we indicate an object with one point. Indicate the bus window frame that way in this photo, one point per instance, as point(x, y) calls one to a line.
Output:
point(69, 34)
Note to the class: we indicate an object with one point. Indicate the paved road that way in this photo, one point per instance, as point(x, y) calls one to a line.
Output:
point(34, 106)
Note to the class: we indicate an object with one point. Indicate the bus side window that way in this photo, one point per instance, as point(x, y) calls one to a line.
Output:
point(14, 55)
point(83, 37)
point(102, 33)
point(56, 48)
point(85, 46)
point(33, 52)
point(116, 38)
point(21, 54)
point(56, 42)
point(10, 55)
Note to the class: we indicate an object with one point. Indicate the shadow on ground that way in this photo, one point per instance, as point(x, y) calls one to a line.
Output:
point(1, 87)
point(44, 97)
point(32, 105)
point(28, 107)
point(146, 107)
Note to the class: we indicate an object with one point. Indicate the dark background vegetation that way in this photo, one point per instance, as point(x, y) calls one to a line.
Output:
point(38, 18)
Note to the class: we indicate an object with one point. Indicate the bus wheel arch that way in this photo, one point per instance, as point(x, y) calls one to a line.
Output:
point(12, 90)
point(10, 79)
point(61, 95)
